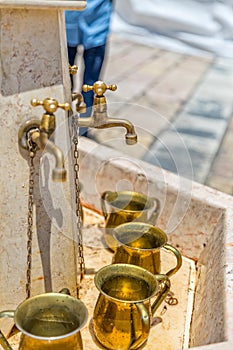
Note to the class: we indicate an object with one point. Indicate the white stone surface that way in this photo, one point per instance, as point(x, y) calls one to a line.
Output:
point(34, 64)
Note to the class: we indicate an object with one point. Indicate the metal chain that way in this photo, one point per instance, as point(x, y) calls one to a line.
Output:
point(170, 299)
point(77, 197)
point(30, 217)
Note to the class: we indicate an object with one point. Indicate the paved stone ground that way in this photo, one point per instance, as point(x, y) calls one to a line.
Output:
point(181, 106)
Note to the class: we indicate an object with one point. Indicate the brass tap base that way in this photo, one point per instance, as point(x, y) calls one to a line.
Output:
point(30, 124)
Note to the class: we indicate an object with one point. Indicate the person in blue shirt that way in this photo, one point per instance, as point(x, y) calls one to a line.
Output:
point(89, 28)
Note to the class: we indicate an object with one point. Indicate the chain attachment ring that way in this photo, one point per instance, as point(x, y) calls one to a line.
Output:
point(170, 299)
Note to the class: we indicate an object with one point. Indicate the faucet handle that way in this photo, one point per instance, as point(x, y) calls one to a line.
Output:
point(99, 88)
point(73, 69)
point(50, 104)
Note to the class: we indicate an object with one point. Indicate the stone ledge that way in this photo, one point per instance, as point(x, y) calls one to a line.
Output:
point(43, 4)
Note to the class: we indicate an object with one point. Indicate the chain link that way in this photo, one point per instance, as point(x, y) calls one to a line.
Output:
point(170, 299)
point(32, 150)
point(30, 217)
point(77, 197)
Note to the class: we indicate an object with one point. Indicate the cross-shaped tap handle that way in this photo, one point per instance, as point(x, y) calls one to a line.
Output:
point(50, 104)
point(99, 88)
point(73, 69)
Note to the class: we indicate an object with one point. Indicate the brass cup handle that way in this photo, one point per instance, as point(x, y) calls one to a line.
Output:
point(178, 259)
point(4, 343)
point(145, 318)
point(102, 202)
point(156, 211)
point(164, 284)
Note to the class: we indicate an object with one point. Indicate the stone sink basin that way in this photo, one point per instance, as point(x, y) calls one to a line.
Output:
point(198, 221)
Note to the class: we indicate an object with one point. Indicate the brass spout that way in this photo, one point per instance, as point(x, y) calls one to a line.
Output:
point(42, 141)
point(104, 123)
point(99, 118)
point(130, 136)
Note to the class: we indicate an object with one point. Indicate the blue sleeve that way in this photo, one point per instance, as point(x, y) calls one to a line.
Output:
point(91, 26)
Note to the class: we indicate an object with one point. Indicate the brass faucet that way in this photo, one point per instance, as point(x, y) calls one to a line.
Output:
point(73, 69)
point(99, 118)
point(39, 133)
point(80, 104)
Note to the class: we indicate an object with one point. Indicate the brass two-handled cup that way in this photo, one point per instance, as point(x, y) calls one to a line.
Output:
point(123, 311)
point(50, 321)
point(140, 244)
point(126, 206)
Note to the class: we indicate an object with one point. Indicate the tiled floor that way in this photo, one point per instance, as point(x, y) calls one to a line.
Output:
point(181, 106)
